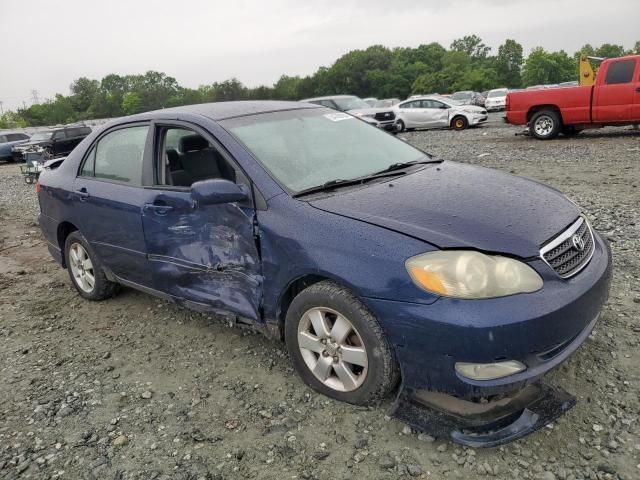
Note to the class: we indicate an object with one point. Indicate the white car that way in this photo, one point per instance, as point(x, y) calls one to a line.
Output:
point(437, 112)
point(496, 99)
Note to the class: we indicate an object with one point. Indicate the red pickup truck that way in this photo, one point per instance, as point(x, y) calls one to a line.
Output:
point(613, 100)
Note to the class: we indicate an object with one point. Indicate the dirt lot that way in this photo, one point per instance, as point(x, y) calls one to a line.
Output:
point(135, 388)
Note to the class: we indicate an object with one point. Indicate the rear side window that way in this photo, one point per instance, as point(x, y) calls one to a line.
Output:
point(89, 163)
point(119, 154)
point(58, 135)
point(74, 132)
point(620, 72)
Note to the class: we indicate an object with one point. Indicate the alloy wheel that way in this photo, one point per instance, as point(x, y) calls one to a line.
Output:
point(332, 349)
point(81, 268)
point(544, 125)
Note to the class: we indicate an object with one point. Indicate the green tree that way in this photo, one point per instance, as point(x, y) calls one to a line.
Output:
point(636, 48)
point(508, 66)
point(542, 67)
point(286, 88)
point(609, 50)
point(83, 93)
point(131, 103)
point(473, 46)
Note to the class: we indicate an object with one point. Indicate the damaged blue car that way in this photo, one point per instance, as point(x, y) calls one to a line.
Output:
point(381, 267)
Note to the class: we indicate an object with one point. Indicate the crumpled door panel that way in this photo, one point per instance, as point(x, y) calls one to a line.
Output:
point(206, 254)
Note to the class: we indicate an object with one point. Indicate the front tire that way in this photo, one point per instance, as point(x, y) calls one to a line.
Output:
point(459, 123)
point(545, 125)
point(337, 346)
point(85, 269)
point(400, 126)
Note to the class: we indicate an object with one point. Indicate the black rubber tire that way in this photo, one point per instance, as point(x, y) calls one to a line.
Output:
point(459, 123)
point(103, 288)
point(556, 127)
point(400, 127)
point(383, 372)
point(570, 131)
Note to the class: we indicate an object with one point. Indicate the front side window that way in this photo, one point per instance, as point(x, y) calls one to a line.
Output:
point(307, 148)
point(119, 155)
point(620, 72)
point(414, 104)
point(188, 157)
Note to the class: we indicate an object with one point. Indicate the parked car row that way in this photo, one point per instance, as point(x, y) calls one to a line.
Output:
point(56, 142)
point(418, 111)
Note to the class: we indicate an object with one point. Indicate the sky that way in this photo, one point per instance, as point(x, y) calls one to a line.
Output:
point(46, 44)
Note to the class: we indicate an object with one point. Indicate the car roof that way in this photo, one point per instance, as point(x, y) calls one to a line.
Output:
point(328, 97)
point(224, 110)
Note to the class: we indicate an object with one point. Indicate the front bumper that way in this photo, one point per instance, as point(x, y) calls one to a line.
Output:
point(478, 119)
point(482, 425)
point(540, 329)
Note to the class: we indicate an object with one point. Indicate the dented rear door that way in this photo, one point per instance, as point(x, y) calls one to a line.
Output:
point(205, 256)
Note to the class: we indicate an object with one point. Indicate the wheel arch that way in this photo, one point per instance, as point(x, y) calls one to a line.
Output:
point(538, 108)
point(63, 231)
point(298, 285)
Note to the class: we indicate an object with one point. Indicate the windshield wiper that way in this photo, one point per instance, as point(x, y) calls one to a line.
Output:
point(401, 166)
point(328, 186)
point(391, 171)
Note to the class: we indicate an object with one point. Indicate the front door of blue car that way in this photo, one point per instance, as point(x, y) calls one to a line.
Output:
point(108, 195)
point(203, 255)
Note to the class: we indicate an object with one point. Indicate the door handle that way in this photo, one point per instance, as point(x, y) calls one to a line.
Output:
point(82, 194)
point(158, 209)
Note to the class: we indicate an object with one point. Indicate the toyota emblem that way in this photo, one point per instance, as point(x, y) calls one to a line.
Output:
point(578, 242)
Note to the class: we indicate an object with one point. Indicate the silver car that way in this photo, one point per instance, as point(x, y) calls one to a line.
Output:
point(437, 112)
point(383, 118)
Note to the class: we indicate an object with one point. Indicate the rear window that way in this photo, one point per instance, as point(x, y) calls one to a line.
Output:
point(620, 72)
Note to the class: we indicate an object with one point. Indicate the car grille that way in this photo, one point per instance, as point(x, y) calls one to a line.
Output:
point(385, 116)
point(570, 251)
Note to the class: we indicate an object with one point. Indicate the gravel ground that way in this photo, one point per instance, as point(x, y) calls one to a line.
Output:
point(136, 388)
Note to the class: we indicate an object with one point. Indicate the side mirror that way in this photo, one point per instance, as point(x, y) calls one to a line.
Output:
point(216, 191)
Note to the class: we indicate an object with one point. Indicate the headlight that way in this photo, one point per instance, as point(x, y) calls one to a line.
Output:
point(468, 110)
point(472, 275)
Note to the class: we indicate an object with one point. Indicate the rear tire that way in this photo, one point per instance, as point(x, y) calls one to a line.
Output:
point(545, 124)
point(370, 376)
point(459, 123)
point(85, 269)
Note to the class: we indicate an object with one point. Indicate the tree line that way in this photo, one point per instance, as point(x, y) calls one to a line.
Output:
point(377, 71)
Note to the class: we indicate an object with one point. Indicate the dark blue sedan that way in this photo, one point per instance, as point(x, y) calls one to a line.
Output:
point(376, 263)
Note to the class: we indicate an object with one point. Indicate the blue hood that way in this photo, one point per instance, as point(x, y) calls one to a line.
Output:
point(453, 205)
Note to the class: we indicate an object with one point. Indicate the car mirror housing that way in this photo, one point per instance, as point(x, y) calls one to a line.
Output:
point(216, 191)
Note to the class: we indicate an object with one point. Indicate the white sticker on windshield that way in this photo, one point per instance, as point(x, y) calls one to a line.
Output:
point(338, 116)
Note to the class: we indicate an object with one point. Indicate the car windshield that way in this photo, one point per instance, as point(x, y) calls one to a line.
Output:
point(350, 103)
point(461, 95)
point(497, 93)
point(39, 136)
point(308, 148)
